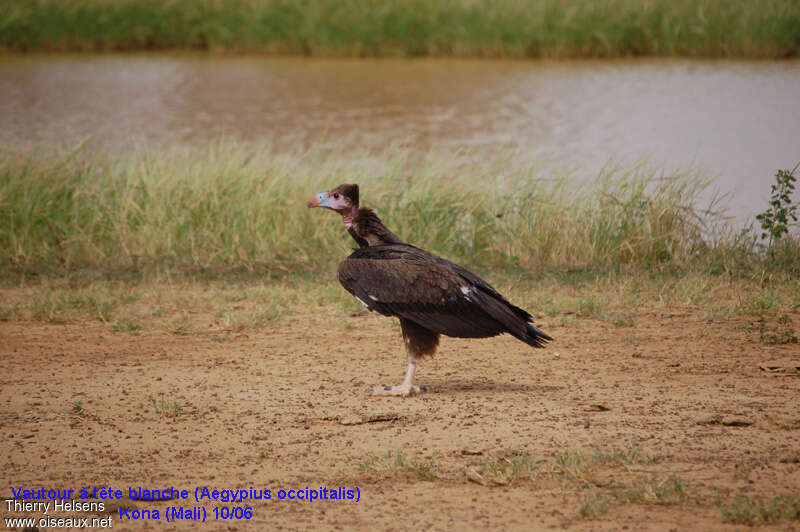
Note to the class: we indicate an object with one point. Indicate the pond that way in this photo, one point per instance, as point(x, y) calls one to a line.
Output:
point(737, 120)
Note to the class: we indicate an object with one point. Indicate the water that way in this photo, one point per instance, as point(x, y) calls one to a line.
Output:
point(738, 120)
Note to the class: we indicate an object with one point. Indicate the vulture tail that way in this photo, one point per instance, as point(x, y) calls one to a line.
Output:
point(514, 319)
point(535, 337)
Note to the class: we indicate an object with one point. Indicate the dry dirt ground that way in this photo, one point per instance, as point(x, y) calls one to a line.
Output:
point(650, 427)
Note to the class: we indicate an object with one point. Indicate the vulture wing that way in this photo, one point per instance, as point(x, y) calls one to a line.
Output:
point(405, 281)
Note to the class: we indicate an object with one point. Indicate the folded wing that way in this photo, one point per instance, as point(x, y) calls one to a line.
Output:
point(404, 281)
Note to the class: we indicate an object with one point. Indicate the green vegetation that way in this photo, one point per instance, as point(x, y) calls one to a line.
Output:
point(397, 463)
point(776, 219)
point(654, 490)
point(581, 469)
point(166, 407)
point(182, 326)
point(601, 480)
point(593, 505)
point(218, 241)
point(587, 475)
point(633, 455)
point(505, 470)
point(781, 332)
point(242, 209)
point(60, 306)
point(126, 325)
point(743, 509)
point(533, 28)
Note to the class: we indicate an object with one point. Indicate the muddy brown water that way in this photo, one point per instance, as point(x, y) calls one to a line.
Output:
point(737, 120)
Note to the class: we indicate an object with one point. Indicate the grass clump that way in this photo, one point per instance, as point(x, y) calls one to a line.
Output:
point(62, 306)
point(588, 474)
point(778, 332)
point(573, 466)
point(182, 326)
point(536, 28)
point(397, 463)
point(664, 491)
point(507, 470)
point(594, 504)
point(166, 407)
point(578, 466)
point(126, 325)
point(743, 509)
point(633, 455)
point(584, 472)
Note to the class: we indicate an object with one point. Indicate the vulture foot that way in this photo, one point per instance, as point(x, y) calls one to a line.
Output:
point(396, 391)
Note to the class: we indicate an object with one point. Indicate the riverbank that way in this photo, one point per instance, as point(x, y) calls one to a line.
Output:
point(229, 207)
point(543, 28)
point(87, 234)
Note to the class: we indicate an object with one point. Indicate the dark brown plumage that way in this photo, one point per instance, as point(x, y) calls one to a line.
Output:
point(430, 295)
point(402, 280)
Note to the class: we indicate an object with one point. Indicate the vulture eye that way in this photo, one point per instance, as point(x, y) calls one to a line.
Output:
point(335, 195)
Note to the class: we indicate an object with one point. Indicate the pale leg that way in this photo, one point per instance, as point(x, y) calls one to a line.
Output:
point(405, 389)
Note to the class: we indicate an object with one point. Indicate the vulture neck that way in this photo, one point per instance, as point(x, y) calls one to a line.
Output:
point(367, 227)
point(347, 218)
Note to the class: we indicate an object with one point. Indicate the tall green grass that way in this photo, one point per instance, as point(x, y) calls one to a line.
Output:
point(238, 208)
point(532, 28)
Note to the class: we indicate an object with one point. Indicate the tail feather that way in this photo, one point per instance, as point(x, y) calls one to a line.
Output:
point(535, 337)
point(514, 319)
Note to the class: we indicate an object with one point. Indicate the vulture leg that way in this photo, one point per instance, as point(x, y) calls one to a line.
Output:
point(419, 342)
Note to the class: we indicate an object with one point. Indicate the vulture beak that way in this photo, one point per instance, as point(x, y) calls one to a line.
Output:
point(320, 200)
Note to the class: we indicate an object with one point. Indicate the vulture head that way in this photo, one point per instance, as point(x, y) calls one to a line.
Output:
point(363, 224)
point(342, 199)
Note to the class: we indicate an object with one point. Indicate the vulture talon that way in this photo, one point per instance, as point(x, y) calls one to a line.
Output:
point(395, 391)
point(431, 295)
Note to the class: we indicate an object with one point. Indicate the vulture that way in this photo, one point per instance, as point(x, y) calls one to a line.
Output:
point(430, 295)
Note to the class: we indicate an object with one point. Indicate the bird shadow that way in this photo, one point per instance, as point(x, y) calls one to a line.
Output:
point(486, 385)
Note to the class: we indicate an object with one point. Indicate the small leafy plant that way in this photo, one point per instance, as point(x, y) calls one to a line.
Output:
point(775, 220)
point(126, 325)
point(166, 407)
point(781, 333)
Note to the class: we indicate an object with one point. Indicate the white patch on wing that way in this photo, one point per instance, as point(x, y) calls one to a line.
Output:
point(362, 301)
point(373, 297)
point(466, 290)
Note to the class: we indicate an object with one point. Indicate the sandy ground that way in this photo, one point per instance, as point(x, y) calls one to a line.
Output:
point(283, 408)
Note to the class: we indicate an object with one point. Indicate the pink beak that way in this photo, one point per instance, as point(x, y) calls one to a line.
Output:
point(319, 200)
